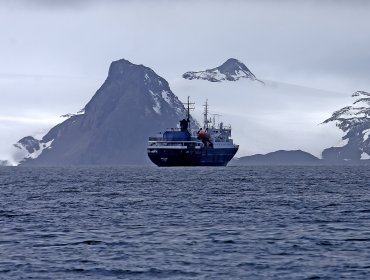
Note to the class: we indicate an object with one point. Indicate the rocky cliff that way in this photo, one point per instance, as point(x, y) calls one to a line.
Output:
point(354, 121)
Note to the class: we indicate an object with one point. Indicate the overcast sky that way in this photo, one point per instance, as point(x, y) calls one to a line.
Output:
point(55, 54)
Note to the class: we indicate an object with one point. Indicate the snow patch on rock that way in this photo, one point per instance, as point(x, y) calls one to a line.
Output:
point(166, 96)
point(157, 104)
point(43, 146)
point(366, 134)
point(365, 156)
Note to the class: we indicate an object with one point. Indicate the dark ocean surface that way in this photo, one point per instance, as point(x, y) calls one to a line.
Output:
point(185, 223)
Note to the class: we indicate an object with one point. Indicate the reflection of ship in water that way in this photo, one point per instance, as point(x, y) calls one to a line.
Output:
point(211, 145)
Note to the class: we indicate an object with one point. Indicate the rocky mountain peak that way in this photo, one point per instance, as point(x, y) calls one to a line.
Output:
point(28, 143)
point(129, 83)
point(233, 65)
point(123, 70)
point(231, 70)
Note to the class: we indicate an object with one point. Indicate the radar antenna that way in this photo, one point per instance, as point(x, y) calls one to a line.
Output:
point(214, 119)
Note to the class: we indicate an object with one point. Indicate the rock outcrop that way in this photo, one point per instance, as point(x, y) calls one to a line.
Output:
point(354, 121)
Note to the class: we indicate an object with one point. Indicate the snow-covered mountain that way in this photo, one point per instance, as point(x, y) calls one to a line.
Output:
point(231, 70)
point(132, 104)
point(354, 121)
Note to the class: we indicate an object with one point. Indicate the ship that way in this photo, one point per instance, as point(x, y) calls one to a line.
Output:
point(210, 145)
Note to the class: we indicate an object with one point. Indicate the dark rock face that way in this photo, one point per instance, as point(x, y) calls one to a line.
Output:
point(28, 143)
point(354, 120)
point(281, 157)
point(131, 105)
point(231, 70)
point(30, 148)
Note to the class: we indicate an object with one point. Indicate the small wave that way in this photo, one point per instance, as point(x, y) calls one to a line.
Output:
point(357, 239)
point(11, 214)
point(90, 242)
point(226, 241)
point(324, 243)
point(70, 191)
point(152, 272)
point(85, 242)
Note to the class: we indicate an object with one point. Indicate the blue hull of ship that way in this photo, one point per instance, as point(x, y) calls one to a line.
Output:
point(200, 157)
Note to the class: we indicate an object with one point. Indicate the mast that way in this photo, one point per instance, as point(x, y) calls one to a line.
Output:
point(205, 114)
point(188, 108)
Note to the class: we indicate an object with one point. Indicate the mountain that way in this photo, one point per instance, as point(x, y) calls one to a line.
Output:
point(354, 121)
point(113, 128)
point(231, 70)
point(281, 157)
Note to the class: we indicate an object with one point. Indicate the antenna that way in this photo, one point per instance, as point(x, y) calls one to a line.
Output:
point(205, 114)
point(214, 119)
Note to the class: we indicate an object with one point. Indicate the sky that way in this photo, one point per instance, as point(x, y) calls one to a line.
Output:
point(55, 54)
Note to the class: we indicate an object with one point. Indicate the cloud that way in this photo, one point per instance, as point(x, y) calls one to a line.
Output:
point(47, 4)
point(277, 40)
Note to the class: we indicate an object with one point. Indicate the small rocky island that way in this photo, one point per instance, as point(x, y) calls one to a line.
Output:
point(281, 157)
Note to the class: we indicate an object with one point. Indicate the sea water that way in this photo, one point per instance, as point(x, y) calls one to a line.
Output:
point(185, 223)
